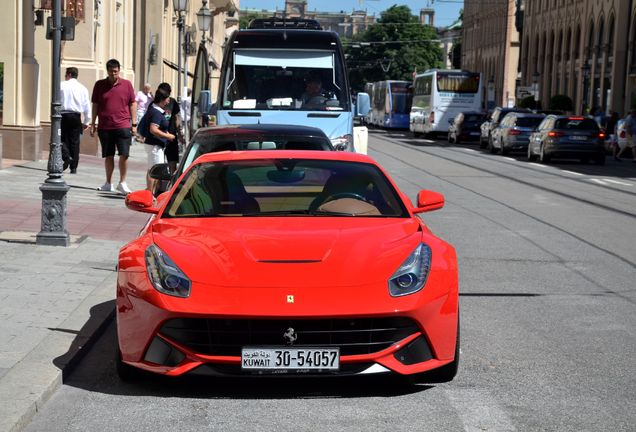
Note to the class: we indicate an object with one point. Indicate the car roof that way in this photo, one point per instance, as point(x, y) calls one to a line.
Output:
point(283, 154)
point(273, 38)
point(525, 114)
point(262, 128)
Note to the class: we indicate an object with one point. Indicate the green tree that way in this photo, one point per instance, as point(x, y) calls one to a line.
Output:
point(244, 20)
point(393, 48)
point(561, 102)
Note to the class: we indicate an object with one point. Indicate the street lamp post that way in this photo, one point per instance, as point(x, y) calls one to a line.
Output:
point(53, 229)
point(180, 6)
point(586, 76)
point(204, 19)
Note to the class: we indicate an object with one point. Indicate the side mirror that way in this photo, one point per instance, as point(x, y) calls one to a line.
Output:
point(363, 104)
point(428, 201)
point(160, 172)
point(141, 201)
point(340, 147)
point(205, 102)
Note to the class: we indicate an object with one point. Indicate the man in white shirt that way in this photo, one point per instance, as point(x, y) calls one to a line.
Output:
point(75, 102)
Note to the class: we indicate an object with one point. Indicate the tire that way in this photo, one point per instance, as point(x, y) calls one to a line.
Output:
point(544, 158)
point(600, 159)
point(457, 140)
point(504, 151)
point(491, 147)
point(450, 141)
point(443, 374)
point(481, 143)
point(531, 156)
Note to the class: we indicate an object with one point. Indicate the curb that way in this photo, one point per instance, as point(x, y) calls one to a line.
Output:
point(42, 371)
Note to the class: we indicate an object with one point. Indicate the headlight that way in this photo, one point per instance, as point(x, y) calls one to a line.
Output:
point(164, 274)
point(345, 142)
point(412, 274)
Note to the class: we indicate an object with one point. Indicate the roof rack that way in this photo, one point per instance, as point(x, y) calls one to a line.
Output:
point(281, 23)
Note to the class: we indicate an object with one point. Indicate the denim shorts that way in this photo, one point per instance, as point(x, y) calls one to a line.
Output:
point(112, 139)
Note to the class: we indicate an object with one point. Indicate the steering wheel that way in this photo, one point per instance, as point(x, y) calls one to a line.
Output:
point(345, 195)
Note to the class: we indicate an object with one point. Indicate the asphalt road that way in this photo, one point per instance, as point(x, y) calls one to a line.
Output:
point(547, 258)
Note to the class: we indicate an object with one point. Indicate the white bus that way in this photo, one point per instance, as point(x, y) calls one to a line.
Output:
point(439, 95)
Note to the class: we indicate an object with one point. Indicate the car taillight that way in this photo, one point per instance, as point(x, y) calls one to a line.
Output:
point(514, 132)
point(431, 117)
point(555, 134)
point(623, 134)
point(601, 135)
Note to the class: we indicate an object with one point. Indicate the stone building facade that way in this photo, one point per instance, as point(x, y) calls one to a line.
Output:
point(345, 24)
point(490, 45)
point(585, 49)
point(582, 48)
point(128, 30)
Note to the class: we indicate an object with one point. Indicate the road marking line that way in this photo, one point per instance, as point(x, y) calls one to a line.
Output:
point(468, 149)
point(618, 182)
point(538, 165)
point(572, 172)
point(479, 411)
point(599, 181)
point(509, 158)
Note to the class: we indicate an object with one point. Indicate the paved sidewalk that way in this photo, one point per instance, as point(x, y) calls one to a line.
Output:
point(55, 300)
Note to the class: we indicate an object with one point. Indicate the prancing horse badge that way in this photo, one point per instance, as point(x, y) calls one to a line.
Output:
point(290, 298)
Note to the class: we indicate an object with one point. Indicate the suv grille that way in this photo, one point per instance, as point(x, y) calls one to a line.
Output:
point(227, 336)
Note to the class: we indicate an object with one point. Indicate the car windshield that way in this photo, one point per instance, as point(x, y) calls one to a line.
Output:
point(208, 143)
point(528, 121)
point(310, 80)
point(576, 123)
point(285, 187)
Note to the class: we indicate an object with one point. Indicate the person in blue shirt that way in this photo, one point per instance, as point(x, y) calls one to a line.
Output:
point(159, 136)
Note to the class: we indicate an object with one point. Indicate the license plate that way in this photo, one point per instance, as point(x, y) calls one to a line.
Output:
point(578, 138)
point(290, 358)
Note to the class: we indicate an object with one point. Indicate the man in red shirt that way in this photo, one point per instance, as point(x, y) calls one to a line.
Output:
point(114, 103)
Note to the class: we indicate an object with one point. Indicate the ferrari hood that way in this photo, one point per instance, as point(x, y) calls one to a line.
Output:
point(287, 252)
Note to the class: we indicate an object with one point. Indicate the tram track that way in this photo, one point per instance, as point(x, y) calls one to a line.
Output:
point(397, 141)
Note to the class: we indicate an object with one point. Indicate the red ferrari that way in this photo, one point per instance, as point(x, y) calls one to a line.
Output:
point(287, 262)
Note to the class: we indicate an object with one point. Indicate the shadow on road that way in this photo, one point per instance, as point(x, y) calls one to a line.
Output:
point(96, 373)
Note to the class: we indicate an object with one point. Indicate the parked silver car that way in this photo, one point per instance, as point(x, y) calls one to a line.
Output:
point(514, 131)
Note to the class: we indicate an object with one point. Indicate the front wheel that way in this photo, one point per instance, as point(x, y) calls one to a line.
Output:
point(491, 146)
point(600, 159)
point(543, 157)
point(531, 156)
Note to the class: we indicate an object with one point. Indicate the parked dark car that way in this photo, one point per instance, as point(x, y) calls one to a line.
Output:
point(567, 137)
point(485, 138)
point(514, 131)
point(465, 127)
point(241, 137)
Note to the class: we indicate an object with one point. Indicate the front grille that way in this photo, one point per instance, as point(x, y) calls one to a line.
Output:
point(226, 337)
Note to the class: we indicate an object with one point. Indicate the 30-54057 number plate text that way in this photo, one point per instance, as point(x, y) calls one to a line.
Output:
point(290, 358)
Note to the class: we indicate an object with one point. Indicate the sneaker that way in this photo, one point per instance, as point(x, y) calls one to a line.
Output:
point(123, 189)
point(106, 187)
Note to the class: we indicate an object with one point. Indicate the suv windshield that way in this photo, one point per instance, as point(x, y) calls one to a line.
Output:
point(276, 79)
point(528, 121)
point(285, 187)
